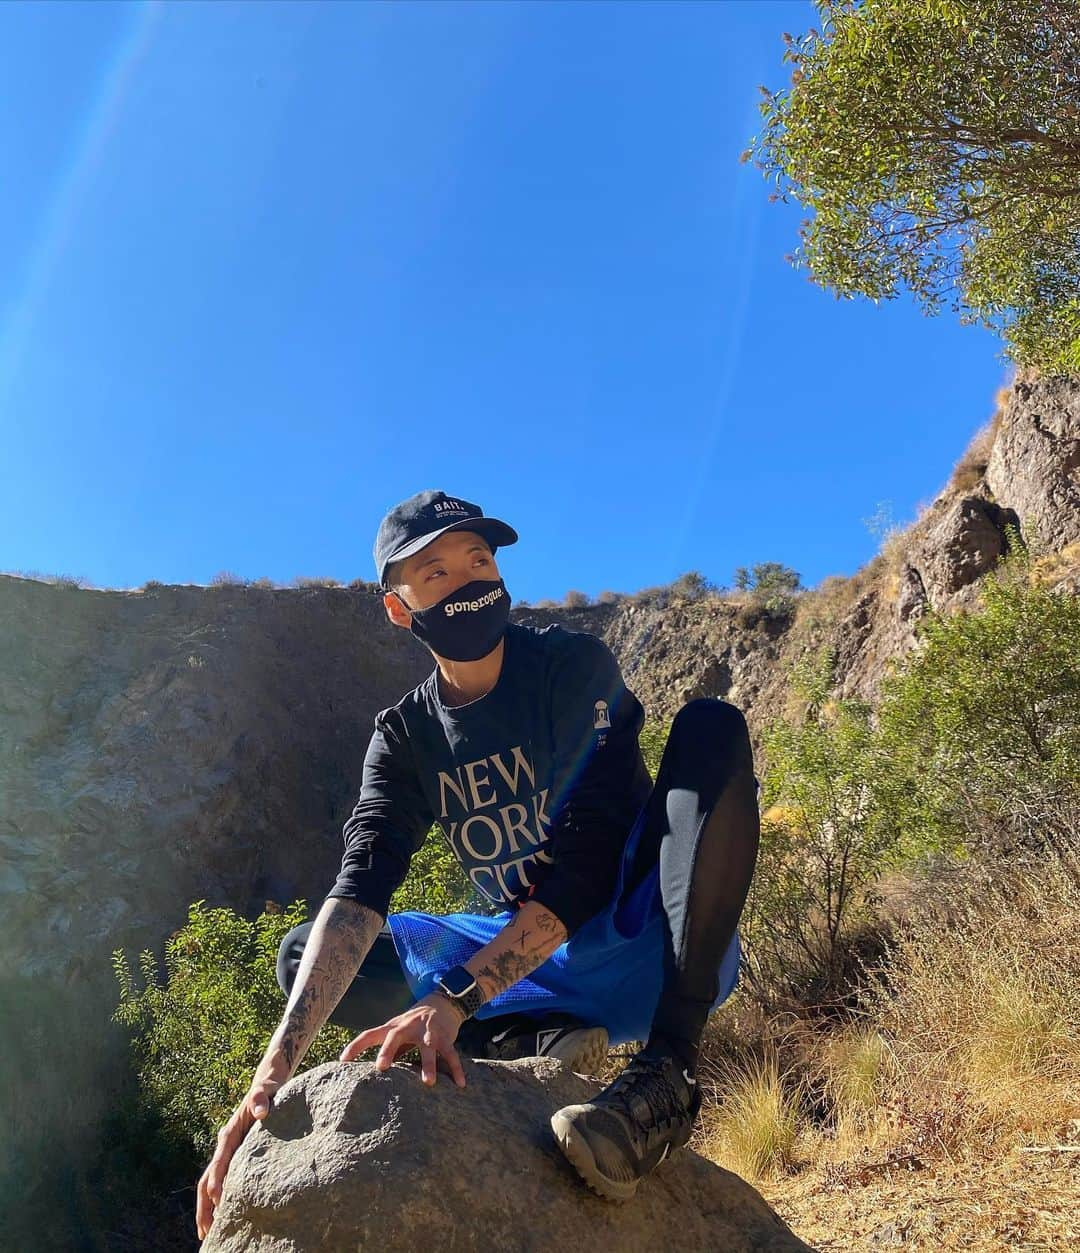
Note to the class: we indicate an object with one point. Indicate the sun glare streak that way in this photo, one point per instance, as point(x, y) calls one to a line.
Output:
point(75, 177)
point(744, 233)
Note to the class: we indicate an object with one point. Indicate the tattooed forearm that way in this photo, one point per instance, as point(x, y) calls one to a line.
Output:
point(338, 942)
point(527, 941)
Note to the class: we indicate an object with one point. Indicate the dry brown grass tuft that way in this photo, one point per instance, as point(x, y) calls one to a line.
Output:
point(854, 1067)
point(969, 471)
point(752, 1125)
point(1051, 568)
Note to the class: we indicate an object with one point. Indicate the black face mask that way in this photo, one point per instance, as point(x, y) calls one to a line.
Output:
point(467, 624)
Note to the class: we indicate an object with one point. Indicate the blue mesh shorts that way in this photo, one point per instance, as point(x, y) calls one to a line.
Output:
point(609, 973)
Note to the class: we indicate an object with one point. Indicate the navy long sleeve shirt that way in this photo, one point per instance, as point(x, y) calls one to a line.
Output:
point(535, 785)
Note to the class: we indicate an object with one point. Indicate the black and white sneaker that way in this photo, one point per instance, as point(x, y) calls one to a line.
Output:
point(629, 1128)
point(581, 1047)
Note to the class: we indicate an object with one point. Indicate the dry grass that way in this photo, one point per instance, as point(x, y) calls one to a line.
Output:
point(855, 1064)
point(1050, 568)
point(969, 470)
point(990, 1006)
point(822, 606)
point(912, 1122)
point(1016, 1201)
point(752, 1122)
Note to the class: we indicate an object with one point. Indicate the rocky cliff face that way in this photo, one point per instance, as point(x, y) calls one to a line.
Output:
point(177, 744)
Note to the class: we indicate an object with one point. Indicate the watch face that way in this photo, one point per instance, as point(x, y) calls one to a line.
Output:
point(457, 981)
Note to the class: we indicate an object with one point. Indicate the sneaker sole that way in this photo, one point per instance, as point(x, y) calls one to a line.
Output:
point(577, 1152)
point(584, 1051)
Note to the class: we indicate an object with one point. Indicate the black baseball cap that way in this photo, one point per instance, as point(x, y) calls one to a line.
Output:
point(414, 523)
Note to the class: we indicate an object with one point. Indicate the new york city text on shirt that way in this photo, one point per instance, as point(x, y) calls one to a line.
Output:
point(495, 820)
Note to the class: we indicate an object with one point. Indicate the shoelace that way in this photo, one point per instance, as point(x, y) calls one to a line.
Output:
point(647, 1078)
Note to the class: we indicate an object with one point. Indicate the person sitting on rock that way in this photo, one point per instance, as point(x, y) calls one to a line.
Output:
point(618, 900)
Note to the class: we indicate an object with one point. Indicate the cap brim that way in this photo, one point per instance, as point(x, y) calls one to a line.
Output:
point(498, 535)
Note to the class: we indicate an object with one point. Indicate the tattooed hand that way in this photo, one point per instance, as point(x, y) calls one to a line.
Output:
point(431, 1025)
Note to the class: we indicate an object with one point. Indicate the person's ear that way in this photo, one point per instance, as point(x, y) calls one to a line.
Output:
point(397, 611)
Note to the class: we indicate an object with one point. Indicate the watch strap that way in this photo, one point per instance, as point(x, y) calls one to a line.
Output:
point(468, 1002)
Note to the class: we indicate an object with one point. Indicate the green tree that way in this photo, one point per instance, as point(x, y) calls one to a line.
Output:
point(937, 145)
point(692, 585)
point(770, 584)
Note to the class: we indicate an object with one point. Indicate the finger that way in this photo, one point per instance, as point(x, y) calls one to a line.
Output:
point(365, 1040)
point(218, 1172)
point(427, 1062)
point(260, 1103)
point(450, 1055)
point(397, 1041)
point(203, 1208)
point(204, 1213)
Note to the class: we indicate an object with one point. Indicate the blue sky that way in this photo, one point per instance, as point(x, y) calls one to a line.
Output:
point(267, 269)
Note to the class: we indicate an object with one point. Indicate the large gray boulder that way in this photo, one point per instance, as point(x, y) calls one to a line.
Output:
point(959, 544)
point(1034, 465)
point(353, 1159)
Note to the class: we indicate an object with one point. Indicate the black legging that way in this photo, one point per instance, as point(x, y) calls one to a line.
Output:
point(700, 820)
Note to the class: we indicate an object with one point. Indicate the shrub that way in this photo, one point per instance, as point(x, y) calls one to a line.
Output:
point(692, 586)
point(823, 844)
point(610, 598)
point(62, 580)
point(770, 584)
point(974, 748)
point(982, 720)
point(263, 581)
point(656, 596)
point(575, 600)
point(226, 578)
point(197, 1037)
point(305, 580)
point(748, 616)
point(652, 738)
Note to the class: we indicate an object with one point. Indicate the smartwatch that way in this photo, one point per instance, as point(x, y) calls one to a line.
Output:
point(462, 988)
